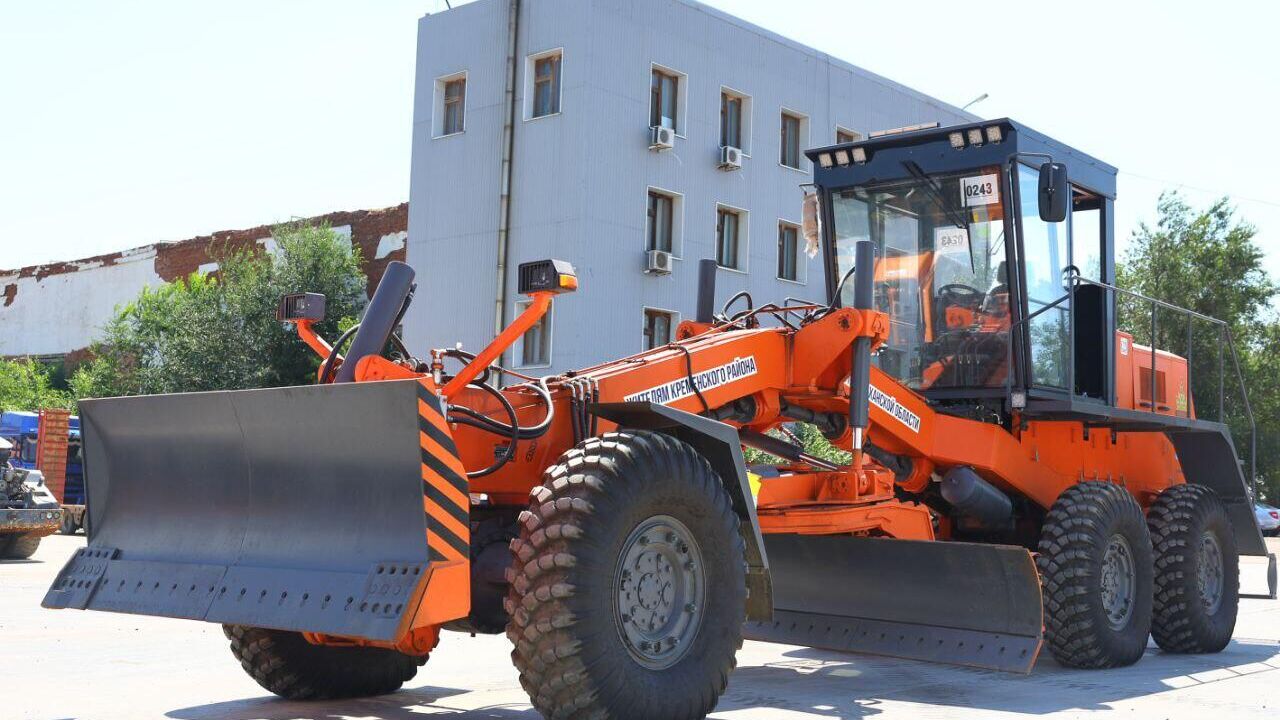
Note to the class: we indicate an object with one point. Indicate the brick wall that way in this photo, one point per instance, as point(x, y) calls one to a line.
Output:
point(58, 309)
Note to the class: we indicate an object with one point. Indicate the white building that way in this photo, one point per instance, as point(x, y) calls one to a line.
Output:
point(589, 79)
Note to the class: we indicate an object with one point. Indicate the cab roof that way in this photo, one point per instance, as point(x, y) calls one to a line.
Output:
point(1083, 169)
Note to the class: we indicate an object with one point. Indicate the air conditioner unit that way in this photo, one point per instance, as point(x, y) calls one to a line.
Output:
point(657, 262)
point(730, 158)
point(661, 138)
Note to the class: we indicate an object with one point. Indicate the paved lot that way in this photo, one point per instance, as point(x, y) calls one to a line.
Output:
point(100, 666)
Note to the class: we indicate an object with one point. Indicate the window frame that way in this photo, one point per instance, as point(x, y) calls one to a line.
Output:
point(531, 83)
point(681, 97)
point(744, 118)
point(802, 138)
point(742, 239)
point(677, 219)
point(440, 105)
point(842, 130)
point(518, 347)
point(801, 266)
point(644, 325)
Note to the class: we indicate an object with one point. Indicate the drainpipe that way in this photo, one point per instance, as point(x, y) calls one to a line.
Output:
point(508, 148)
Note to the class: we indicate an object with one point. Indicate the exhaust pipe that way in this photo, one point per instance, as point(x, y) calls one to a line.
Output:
point(379, 319)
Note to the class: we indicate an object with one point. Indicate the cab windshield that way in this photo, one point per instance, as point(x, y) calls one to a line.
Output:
point(940, 275)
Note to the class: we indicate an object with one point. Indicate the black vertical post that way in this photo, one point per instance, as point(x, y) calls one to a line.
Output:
point(706, 291)
point(860, 371)
point(1153, 355)
point(1190, 397)
point(1222, 375)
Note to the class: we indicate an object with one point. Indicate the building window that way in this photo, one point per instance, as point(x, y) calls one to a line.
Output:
point(455, 97)
point(788, 252)
point(846, 136)
point(661, 221)
point(542, 84)
point(659, 327)
point(730, 231)
point(535, 345)
point(664, 102)
point(792, 129)
point(730, 120)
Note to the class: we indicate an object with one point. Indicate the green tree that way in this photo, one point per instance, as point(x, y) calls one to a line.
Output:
point(220, 333)
point(29, 385)
point(1208, 262)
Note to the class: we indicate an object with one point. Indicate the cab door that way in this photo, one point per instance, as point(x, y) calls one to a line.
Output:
point(1045, 252)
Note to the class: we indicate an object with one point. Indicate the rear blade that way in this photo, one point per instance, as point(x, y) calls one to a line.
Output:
point(292, 508)
point(948, 602)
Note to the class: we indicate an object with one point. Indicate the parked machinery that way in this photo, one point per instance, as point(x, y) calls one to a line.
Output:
point(1010, 482)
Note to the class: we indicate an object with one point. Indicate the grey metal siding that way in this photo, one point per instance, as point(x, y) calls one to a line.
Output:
point(580, 177)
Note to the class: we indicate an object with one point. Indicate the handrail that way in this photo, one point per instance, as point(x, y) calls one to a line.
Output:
point(1225, 338)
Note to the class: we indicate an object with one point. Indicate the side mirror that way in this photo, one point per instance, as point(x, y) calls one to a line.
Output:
point(1055, 194)
point(811, 223)
point(301, 306)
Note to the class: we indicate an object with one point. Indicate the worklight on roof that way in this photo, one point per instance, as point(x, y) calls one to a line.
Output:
point(975, 136)
point(994, 134)
point(859, 155)
point(842, 157)
point(957, 140)
point(825, 160)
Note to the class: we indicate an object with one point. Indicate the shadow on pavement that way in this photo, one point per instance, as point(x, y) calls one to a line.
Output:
point(839, 685)
point(834, 685)
point(411, 704)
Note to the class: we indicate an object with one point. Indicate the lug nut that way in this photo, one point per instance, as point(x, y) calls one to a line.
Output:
point(643, 540)
point(688, 607)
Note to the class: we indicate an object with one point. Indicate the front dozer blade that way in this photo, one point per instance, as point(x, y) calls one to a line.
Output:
point(291, 508)
point(948, 602)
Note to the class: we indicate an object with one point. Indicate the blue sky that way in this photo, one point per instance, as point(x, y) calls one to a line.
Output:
point(125, 123)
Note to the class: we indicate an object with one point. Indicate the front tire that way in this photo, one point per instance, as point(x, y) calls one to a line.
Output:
point(18, 547)
point(284, 663)
point(1197, 571)
point(628, 583)
point(1096, 572)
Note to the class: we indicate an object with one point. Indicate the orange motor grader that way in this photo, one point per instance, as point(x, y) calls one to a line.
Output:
point(1018, 473)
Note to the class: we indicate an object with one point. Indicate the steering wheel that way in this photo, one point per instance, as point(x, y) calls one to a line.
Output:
point(960, 294)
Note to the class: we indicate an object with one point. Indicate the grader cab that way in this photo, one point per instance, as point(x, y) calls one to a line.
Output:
point(1019, 472)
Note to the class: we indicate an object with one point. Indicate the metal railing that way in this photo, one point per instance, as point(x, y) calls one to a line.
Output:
point(1225, 340)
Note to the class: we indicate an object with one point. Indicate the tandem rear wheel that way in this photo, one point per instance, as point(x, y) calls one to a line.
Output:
point(1111, 577)
point(628, 583)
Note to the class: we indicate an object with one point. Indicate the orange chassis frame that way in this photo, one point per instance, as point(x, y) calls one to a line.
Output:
point(808, 367)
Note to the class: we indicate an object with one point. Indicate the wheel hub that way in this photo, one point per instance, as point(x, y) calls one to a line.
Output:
point(660, 588)
point(1209, 574)
point(1119, 582)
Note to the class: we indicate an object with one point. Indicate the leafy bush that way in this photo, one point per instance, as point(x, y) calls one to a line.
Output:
point(220, 332)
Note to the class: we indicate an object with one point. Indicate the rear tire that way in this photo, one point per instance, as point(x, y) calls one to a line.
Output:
point(286, 664)
point(630, 537)
point(18, 547)
point(1096, 573)
point(67, 526)
point(1197, 571)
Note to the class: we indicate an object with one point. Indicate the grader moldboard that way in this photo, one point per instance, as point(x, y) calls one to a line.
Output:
point(1020, 472)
